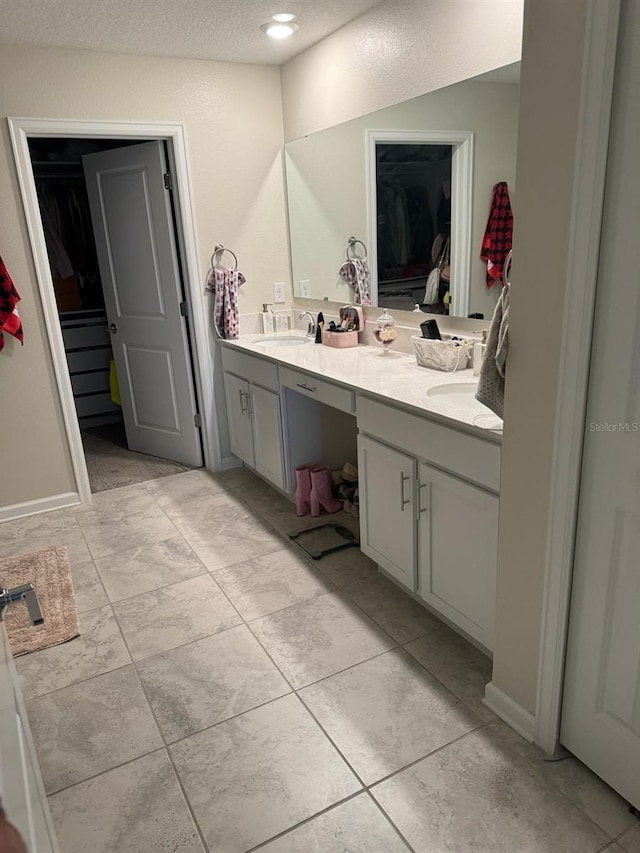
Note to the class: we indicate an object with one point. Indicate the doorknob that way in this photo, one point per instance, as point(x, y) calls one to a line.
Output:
point(112, 328)
point(27, 593)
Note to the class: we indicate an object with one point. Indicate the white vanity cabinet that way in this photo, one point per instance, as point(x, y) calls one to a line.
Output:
point(429, 512)
point(254, 413)
point(457, 551)
point(387, 508)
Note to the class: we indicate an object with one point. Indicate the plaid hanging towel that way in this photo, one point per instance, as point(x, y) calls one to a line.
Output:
point(9, 318)
point(498, 234)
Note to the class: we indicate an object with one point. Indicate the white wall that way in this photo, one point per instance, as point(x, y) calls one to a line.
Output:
point(550, 81)
point(396, 51)
point(233, 119)
point(327, 179)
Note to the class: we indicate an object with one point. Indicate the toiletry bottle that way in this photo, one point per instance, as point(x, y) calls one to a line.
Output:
point(267, 319)
point(478, 353)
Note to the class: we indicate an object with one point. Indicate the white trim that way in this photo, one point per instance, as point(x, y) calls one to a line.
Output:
point(461, 202)
point(21, 129)
point(507, 709)
point(14, 511)
point(584, 244)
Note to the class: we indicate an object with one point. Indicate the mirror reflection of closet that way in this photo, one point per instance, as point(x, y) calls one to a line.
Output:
point(413, 205)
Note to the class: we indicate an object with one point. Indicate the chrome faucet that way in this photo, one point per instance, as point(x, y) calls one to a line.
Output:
point(25, 593)
point(311, 328)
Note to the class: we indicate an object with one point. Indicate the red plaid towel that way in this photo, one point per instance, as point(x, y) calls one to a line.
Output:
point(498, 234)
point(9, 319)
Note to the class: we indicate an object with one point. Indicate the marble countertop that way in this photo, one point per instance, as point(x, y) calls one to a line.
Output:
point(393, 378)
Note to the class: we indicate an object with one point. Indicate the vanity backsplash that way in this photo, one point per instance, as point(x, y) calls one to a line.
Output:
point(407, 323)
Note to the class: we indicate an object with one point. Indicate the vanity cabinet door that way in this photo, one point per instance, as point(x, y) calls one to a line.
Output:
point(239, 419)
point(458, 543)
point(267, 434)
point(387, 509)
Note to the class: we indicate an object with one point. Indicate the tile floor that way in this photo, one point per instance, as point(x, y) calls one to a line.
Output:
point(226, 695)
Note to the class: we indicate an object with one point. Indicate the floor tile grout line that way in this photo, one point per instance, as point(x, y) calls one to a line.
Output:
point(442, 683)
point(332, 742)
point(79, 681)
point(214, 572)
point(628, 830)
point(177, 776)
point(306, 820)
point(94, 776)
point(164, 742)
point(172, 743)
point(428, 755)
point(388, 818)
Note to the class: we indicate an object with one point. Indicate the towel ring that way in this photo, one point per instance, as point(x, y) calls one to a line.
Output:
point(351, 244)
point(506, 269)
point(219, 249)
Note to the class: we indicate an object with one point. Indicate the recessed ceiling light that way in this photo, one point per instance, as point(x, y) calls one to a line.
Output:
point(279, 31)
point(283, 17)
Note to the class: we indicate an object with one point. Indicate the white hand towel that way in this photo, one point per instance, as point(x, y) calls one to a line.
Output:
point(493, 372)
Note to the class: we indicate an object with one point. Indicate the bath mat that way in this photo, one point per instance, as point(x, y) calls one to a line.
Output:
point(48, 570)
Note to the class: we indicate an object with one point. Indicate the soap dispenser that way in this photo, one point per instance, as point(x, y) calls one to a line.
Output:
point(267, 319)
point(479, 348)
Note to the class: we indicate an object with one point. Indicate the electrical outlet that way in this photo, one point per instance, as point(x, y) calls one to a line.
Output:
point(305, 289)
point(278, 292)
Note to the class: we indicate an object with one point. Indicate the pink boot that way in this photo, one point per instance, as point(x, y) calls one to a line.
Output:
point(303, 489)
point(321, 494)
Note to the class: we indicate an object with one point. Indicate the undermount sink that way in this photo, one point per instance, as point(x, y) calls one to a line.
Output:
point(461, 395)
point(282, 340)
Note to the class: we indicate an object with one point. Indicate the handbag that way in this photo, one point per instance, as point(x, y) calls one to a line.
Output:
point(433, 287)
point(442, 270)
point(445, 266)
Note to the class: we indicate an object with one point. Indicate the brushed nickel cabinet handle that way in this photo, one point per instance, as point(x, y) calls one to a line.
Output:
point(403, 501)
point(421, 508)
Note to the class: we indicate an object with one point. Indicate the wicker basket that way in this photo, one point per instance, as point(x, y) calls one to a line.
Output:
point(442, 355)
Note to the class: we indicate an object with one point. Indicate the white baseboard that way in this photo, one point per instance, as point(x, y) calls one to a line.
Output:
point(14, 511)
point(507, 709)
point(229, 462)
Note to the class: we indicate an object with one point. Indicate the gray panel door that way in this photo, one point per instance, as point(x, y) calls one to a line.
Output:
point(132, 221)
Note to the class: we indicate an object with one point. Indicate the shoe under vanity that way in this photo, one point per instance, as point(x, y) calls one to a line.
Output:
point(428, 477)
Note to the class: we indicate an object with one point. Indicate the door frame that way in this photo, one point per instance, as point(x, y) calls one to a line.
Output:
point(592, 144)
point(174, 133)
point(462, 142)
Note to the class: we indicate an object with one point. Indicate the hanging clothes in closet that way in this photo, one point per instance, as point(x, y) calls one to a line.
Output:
point(68, 232)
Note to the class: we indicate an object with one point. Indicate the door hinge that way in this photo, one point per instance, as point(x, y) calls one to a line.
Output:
point(168, 181)
point(197, 419)
point(184, 309)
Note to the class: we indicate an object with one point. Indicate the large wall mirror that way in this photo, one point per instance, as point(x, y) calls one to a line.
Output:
point(395, 180)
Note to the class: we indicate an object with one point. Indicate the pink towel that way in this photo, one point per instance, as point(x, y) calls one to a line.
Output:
point(224, 284)
point(355, 272)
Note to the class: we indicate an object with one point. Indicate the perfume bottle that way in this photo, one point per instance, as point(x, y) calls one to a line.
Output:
point(386, 333)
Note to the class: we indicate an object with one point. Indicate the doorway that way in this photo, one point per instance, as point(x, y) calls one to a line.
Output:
point(431, 173)
point(143, 358)
point(413, 202)
point(95, 236)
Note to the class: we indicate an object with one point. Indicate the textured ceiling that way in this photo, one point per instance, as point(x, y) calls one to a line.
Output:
point(198, 29)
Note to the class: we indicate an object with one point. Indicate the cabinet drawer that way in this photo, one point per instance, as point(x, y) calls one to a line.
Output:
point(472, 458)
point(318, 389)
point(256, 370)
